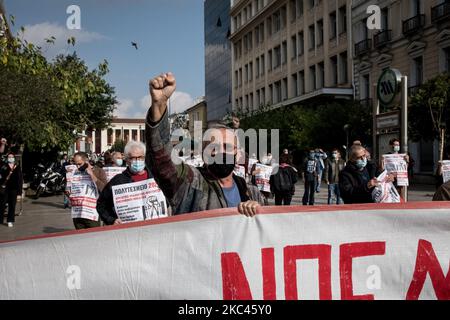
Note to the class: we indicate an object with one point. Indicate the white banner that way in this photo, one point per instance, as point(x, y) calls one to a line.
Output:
point(395, 163)
point(111, 172)
point(445, 170)
point(83, 196)
point(139, 201)
point(374, 251)
point(263, 177)
point(70, 170)
point(251, 162)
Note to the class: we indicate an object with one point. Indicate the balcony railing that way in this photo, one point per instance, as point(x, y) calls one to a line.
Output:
point(414, 24)
point(363, 47)
point(382, 38)
point(440, 12)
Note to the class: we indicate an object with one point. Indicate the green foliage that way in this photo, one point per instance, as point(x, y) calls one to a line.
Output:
point(429, 108)
point(44, 104)
point(119, 146)
point(313, 125)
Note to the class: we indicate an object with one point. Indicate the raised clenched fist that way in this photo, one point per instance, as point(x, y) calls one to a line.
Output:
point(161, 88)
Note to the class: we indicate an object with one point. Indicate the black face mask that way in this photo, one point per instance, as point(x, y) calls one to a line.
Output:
point(222, 170)
point(83, 167)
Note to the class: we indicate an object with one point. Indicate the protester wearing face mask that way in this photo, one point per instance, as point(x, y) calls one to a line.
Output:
point(136, 171)
point(394, 144)
point(117, 159)
point(11, 183)
point(191, 189)
point(98, 176)
point(333, 167)
point(356, 183)
point(309, 175)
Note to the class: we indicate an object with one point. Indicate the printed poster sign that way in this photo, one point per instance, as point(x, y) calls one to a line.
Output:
point(83, 196)
point(139, 201)
point(263, 177)
point(385, 192)
point(445, 170)
point(240, 171)
point(111, 172)
point(395, 163)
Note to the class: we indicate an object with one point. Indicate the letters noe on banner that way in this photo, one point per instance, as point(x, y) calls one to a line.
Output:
point(373, 251)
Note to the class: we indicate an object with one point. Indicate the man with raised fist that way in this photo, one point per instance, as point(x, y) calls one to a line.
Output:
point(190, 189)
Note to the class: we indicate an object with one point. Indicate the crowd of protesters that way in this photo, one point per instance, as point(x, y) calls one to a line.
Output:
point(197, 184)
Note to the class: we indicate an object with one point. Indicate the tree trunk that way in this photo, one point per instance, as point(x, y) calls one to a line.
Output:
point(441, 151)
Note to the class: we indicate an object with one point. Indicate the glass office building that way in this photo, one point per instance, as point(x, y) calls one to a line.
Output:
point(217, 58)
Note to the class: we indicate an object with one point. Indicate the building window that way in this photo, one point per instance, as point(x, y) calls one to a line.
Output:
point(312, 78)
point(283, 14)
point(342, 19)
point(319, 32)
point(240, 77)
point(301, 44)
point(312, 37)
point(284, 53)
point(278, 92)
point(236, 79)
point(311, 4)
point(277, 53)
point(447, 59)
point(250, 71)
point(251, 102)
point(257, 41)
point(365, 87)
point(134, 135)
point(293, 10)
point(334, 70)
point(263, 65)
point(257, 72)
point(294, 46)
point(385, 19)
point(263, 96)
point(418, 70)
point(270, 60)
point(258, 98)
point(284, 89)
point(261, 32)
point(333, 25)
point(270, 94)
point(276, 22)
point(294, 86)
point(250, 41)
point(110, 137)
point(301, 82)
point(269, 26)
point(321, 75)
point(246, 73)
point(343, 63)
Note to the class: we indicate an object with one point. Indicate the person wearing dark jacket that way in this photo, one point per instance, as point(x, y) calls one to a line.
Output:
point(136, 171)
point(355, 182)
point(11, 183)
point(282, 184)
point(333, 167)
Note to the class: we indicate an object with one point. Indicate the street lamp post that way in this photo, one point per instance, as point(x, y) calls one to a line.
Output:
point(347, 129)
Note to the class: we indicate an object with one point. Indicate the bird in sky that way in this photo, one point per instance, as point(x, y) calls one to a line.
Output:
point(134, 44)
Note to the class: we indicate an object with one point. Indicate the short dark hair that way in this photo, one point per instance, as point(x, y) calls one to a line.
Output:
point(391, 142)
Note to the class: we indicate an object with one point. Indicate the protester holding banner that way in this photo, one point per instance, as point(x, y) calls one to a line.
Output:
point(88, 181)
point(190, 189)
point(136, 171)
point(396, 163)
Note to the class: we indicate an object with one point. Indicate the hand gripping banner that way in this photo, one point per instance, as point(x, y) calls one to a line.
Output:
point(376, 251)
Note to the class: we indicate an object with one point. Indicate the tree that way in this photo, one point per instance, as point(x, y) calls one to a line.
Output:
point(430, 107)
point(312, 125)
point(44, 104)
point(118, 146)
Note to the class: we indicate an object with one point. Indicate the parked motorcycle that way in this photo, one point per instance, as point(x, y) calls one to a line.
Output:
point(51, 181)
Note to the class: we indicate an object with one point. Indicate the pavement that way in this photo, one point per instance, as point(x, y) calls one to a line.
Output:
point(47, 215)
